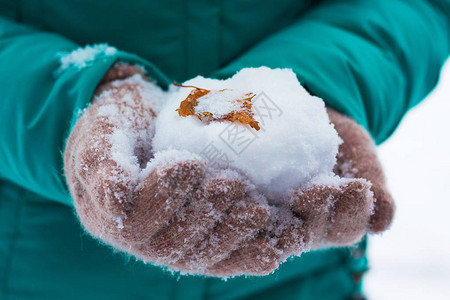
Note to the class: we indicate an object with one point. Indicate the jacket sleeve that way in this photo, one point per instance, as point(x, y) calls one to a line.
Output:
point(370, 59)
point(45, 82)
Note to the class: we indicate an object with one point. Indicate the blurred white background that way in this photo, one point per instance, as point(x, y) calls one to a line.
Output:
point(412, 259)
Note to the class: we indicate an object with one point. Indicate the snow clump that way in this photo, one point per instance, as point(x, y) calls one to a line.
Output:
point(296, 143)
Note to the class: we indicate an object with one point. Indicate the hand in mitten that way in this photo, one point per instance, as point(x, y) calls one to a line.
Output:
point(318, 215)
point(165, 209)
point(341, 214)
point(168, 210)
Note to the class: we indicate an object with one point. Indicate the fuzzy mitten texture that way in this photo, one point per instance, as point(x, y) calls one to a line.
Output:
point(322, 216)
point(357, 158)
point(341, 215)
point(169, 210)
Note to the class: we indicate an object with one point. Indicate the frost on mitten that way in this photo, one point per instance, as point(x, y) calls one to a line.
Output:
point(357, 158)
point(335, 215)
point(341, 214)
point(165, 208)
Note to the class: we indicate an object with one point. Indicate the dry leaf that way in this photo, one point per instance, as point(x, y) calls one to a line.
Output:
point(243, 114)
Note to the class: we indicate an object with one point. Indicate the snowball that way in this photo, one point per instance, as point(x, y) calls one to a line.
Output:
point(295, 145)
point(82, 57)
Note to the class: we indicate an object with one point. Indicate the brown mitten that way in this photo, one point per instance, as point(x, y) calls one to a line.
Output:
point(320, 216)
point(341, 214)
point(166, 209)
point(357, 158)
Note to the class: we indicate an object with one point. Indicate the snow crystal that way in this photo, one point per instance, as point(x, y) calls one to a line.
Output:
point(168, 158)
point(296, 143)
point(119, 221)
point(82, 57)
point(219, 104)
point(131, 131)
point(151, 93)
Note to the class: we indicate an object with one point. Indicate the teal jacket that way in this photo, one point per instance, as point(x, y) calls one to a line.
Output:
point(372, 60)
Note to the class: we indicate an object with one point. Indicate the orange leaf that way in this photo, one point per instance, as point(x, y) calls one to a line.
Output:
point(243, 114)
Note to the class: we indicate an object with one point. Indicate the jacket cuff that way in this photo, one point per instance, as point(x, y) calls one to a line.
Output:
point(84, 68)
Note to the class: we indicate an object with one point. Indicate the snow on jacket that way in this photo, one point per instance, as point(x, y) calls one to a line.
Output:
point(371, 59)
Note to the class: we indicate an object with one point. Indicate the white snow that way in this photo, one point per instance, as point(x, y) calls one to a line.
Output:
point(295, 145)
point(412, 260)
point(82, 57)
point(119, 221)
point(219, 104)
point(130, 128)
point(168, 158)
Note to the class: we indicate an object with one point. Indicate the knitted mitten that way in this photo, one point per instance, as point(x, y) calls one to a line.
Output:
point(168, 210)
point(322, 216)
point(348, 212)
